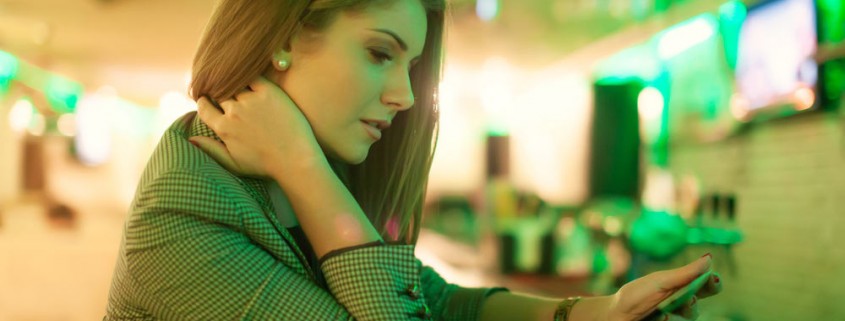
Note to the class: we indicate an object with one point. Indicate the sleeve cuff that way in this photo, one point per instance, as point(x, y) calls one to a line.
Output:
point(370, 280)
point(348, 249)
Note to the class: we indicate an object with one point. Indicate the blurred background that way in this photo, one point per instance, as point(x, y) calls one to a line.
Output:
point(583, 143)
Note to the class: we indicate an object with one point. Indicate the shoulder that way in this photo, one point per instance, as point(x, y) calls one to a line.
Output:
point(174, 151)
point(179, 177)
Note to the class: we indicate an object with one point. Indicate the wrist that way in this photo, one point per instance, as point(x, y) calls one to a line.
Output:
point(289, 170)
point(293, 157)
point(592, 309)
point(610, 313)
point(563, 309)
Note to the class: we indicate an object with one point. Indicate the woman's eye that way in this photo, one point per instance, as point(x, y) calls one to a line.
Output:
point(380, 57)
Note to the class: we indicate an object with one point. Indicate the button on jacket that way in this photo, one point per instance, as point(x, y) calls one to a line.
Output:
point(200, 243)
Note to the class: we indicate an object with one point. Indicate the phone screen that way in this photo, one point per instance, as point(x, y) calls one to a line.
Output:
point(682, 295)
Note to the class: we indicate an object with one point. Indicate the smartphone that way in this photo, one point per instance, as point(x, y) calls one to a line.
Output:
point(683, 295)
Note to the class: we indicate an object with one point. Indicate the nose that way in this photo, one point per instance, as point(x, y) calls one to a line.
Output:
point(398, 92)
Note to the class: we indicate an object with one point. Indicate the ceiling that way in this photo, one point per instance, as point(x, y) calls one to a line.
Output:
point(144, 48)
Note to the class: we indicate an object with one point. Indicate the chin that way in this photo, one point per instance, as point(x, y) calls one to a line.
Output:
point(353, 157)
point(358, 159)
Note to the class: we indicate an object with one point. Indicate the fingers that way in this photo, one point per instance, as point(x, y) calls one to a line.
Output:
point(667, 317)
point(207, 112)
point(216, 150)
point(675, 317)
point(228, 106)
point(713, 286)
point(681, 276)
point(264, 85)
point(243, 94)
point(689, 310)
point(260, 83)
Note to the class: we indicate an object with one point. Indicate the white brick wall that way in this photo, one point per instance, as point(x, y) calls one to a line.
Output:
point(789, 179)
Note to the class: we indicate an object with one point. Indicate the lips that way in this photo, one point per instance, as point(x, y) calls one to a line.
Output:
point(373, 132)
point(377, 123)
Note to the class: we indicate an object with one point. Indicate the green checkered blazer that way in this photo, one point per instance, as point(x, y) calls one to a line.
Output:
point(203, 244)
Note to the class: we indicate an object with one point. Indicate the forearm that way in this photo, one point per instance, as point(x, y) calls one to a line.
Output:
point(326, 210)
point(514, 306)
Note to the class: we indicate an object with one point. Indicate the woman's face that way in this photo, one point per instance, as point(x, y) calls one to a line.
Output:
point(355, 70)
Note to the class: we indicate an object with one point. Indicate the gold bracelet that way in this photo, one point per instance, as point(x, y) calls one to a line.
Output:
point(564, 308)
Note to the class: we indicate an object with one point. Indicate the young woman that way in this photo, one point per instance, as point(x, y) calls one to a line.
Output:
point(301, 196)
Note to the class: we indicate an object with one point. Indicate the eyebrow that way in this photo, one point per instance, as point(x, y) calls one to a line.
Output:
point(402, 44)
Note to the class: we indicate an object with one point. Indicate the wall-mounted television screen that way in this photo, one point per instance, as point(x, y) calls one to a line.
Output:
point(775, 70)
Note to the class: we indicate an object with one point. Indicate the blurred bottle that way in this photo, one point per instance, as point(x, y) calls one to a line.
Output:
point(500, 195)
point(500, 206)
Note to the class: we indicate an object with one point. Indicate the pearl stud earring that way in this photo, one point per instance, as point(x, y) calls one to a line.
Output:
point(283, 64)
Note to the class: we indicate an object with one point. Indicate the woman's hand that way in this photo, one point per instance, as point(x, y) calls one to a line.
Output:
point(263, 131)
point(265, 134)
point(638, 299)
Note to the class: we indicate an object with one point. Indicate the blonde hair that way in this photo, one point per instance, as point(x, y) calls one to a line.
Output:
point(390, 184)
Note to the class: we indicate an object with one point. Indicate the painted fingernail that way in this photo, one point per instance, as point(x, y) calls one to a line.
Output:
point(715, 279)
point(194, 143)
point(708, 254)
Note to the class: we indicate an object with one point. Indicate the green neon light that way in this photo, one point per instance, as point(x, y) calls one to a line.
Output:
point(831, 17)
point(497, 130)
point(63, 93)
point(731, 17)
point(661, 6)
point(681, 37)
point(629, 65)
point(8, 70)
